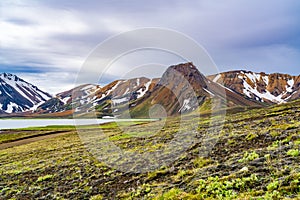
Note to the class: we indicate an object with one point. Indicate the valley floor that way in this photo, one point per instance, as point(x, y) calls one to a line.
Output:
point(256, 156)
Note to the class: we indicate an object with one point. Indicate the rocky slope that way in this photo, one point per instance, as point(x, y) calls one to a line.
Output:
point(268, 88)
point(17, 95)
point(89, 98)
point(78, 96)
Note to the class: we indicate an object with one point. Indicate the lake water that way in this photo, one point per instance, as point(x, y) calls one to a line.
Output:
point(24, 123)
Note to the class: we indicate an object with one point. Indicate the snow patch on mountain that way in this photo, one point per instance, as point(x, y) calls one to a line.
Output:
point(108, 92)
point(126, 92)
point(266, 80)
point(88, 88)
point(209, 92)
point(217, 78)
point(289, 87)
point(119, 101)
point(143, 91)
point(185, 106)
point(12, 107)
point(251, 89)
point(33, 108)
point(65, 100)
point(253, 77)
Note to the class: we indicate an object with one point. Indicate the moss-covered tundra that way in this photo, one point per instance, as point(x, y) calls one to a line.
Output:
point(256, 157)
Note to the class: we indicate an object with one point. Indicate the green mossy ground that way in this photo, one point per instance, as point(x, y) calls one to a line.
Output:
point(17, 134)
point(256, 157)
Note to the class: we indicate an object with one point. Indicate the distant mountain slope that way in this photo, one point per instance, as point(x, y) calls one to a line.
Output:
point(87, 98)
point(17, 95)
point(269, 88)
point(63, 101)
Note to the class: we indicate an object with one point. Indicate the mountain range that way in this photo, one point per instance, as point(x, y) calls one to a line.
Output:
point(181, 89)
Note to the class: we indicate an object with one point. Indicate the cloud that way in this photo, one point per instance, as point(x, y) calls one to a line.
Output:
point(269, 59)
point(53, 36)
point(51, 82)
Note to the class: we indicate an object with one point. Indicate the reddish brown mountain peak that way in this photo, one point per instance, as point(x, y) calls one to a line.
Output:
point(183, 65)
point(188, 71)
point(185, 69)
point(263, 74)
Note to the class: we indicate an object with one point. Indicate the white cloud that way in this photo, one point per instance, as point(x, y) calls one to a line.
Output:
point(51, 82)
point(42, 23)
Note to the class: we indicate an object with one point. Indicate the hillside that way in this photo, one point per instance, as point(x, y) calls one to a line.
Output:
point(256, 156)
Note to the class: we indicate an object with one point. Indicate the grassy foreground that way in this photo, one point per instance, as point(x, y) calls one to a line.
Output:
point(256, 157)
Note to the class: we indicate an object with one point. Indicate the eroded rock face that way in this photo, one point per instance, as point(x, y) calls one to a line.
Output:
point(269, 88)
point(181, 89)
point(174, 75)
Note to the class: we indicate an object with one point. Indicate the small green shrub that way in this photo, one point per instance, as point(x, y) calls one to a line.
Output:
point(286, 140)
point(231, 142)
point(44, 178)
point(249, 157)
point(180, 175)
point(97, 197)
point(173, 194)
point(201, 162)
point(251, 136)
point(217, 188)
point(293, 152)
point(272, 195)
point(274, 133)
point(297, 142)
point(273, 186)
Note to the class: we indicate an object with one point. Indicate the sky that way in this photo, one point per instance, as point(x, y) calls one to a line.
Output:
point(47, 42)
